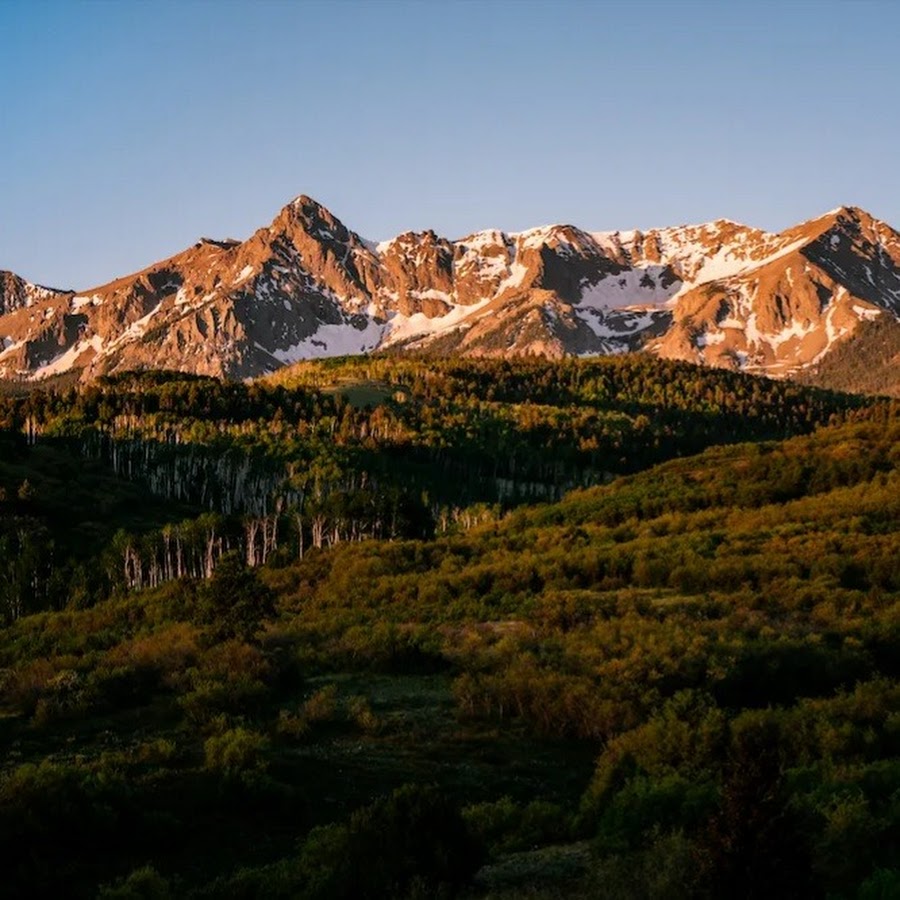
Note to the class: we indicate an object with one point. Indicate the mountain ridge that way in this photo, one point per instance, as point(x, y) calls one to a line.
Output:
point(307, 286)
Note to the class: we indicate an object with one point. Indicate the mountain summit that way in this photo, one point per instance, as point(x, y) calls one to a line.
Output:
point(306, 286)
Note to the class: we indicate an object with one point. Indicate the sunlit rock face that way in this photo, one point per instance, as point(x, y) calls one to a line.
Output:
point(306, 286)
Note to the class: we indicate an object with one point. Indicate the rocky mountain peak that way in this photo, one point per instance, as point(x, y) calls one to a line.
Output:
point(17, 293)
point(717, 293)
point(306, 219)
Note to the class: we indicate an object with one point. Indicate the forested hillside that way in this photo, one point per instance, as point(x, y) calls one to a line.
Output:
point(335, 452)
point(417, 674)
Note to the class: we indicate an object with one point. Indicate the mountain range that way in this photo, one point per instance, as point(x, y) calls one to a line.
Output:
point(816, 302)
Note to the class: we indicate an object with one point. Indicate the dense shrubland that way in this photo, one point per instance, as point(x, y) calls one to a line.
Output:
point(680, 683)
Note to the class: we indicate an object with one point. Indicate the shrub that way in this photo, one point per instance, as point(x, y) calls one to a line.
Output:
point(664, 870)
point(211, 699)
point(157, 752)
point(68, 812)
point(322, 705)
point(168, 652)
point(412, 843)
point(234, 660)
point(64, 695)
point(24, 686)
point(234, 602)
point(122, 687)
point(882, 884)
point(360, 713)
point(668, 802)
point(142, 884)
point(228, 680)
point(505, 826)
point(292, 725)
point(235, 751)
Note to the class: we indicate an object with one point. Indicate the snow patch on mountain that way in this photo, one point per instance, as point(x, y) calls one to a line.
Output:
point(518, 272)
point(482, 240)
point(796, 331)
point(419, 326)
point(138, 328)
point(80, 302)
point(343, 339)
point(866, 313)
point(710, 338)
point(631, 287)
point(68, 358)
point(620, 324)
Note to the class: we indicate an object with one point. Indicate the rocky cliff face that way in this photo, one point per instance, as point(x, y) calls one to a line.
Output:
point(306, 286)
point(786, 312)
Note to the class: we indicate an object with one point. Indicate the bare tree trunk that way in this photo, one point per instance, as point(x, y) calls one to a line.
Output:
point(299, 520)
point(252, 529)
point(318, 531)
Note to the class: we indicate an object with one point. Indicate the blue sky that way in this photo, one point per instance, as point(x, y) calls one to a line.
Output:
point(132, 128)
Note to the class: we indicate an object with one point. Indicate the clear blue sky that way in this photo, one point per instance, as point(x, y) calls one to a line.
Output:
point(132, 128)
